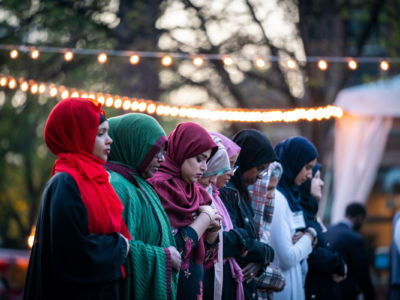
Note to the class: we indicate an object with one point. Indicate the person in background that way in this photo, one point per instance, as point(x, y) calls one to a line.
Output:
point(325, 266)
point(81, 240)
point(262, 195)
point(345, 239)
point(194, 222)
point(242, 242)
point(136, 154)
point(394, 280)
point(298, 156)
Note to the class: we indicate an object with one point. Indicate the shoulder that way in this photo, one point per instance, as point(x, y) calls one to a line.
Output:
point(62, 183)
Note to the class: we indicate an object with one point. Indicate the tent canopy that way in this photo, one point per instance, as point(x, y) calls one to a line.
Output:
point(360, 139)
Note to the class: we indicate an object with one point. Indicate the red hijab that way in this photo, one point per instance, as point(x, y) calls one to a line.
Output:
point(179, 198)
point(70, 133)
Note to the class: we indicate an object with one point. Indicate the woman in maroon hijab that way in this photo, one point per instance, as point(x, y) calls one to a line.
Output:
point(81, 239)
point(195, 223)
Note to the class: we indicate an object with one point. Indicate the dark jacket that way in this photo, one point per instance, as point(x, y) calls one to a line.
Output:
point(67, 262)
point(351, 247)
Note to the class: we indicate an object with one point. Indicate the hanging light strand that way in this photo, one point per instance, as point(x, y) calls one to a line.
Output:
point(192, 112)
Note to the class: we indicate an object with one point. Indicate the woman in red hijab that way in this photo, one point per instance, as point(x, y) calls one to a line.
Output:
point(195, 223)
point(80, 243)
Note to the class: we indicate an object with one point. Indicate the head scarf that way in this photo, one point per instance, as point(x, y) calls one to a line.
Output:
point(308, 202)
point(179, 198)
point(231, 147)
point(70, 133)
point(219, 163)
point(294, 153)
point(256, 149)
point(137, 138)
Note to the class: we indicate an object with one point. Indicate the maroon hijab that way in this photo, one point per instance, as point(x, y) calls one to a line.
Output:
point(179, 198)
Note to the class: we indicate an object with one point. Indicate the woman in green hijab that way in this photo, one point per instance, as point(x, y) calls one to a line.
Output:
point(136, 154)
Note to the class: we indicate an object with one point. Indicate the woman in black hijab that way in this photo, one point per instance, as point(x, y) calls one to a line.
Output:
point(241, 242)
point(325, 266)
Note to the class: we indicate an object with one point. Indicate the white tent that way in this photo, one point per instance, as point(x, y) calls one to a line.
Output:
point(360, 139)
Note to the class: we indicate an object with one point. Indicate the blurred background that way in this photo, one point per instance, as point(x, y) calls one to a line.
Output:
point(276, 48)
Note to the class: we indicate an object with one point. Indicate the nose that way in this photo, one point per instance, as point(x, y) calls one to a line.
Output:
point(203, 166)
point(109, 140)
point(322, 183)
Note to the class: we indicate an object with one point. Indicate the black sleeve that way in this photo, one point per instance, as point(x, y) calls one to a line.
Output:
point(235, 242)
point(325, 260)
point(77, 255)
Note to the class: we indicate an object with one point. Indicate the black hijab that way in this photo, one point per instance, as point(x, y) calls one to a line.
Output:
point(308, 202)
point(294, 153)
point(256, 150)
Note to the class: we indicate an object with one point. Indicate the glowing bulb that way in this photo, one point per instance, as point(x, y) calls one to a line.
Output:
point(100, 99)
point(35, 54)
point(228, 61)
point(42, 88)
point(384, 65)
point(75, 94)
point(260, 63)
point(126, 105)
point(14, 54)
point(12, 83)
point(198, 61)
point(102, 58)
point(64, 94)
point(134, 59)
point(352, 64)
point(53, 92)
point(151, 108)
point(92, 96)
point(3, 81)
point(109, 101)
point(68, 56)
point(117, 103)
point(34, 89)
point(84, 95)
point(142, 107)
point(322, 65)
point(31, 239)
point(166, 61)
point(291, 63)
point(24, 86)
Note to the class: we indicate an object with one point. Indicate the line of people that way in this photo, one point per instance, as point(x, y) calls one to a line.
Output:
point(132, 214)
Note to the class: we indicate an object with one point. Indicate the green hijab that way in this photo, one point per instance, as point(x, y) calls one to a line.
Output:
point(139, 138)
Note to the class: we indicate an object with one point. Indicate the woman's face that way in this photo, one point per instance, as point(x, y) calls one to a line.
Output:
point(193, 168)
point(154, 164)
point(316, 186)
point(224, 178)
point(273, 182)
point(206, 181)
point(103, 142)
point(305, 173)
point(250, 176)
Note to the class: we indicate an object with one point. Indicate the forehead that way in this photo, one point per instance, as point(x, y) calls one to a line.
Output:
point(103, 125)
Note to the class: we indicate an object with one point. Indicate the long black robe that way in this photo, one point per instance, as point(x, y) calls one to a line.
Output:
point(68, 262)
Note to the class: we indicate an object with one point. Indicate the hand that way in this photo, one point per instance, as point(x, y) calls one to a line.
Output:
point(250, 271)
point(337, 278)
point(176, 258)
point(312, 234)
point(297, 236)
point(215, 218)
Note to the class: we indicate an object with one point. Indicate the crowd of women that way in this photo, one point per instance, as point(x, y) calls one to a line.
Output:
point(132, 214)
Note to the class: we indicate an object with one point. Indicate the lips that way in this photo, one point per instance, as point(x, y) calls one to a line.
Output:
point(199, 175)
point(108, 151)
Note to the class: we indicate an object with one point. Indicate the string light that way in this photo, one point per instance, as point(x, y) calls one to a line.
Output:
point(291, 64)
point(14, 54)
point(384, 65)
point(102, 58)
point(153, 107)
point(35, 54)
point(260, 63)
point(322, 65)
point(198, 61)
point(352, 64)
point(134, 59)
point(228, 61)
point(166, 61)
point(68, 56)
